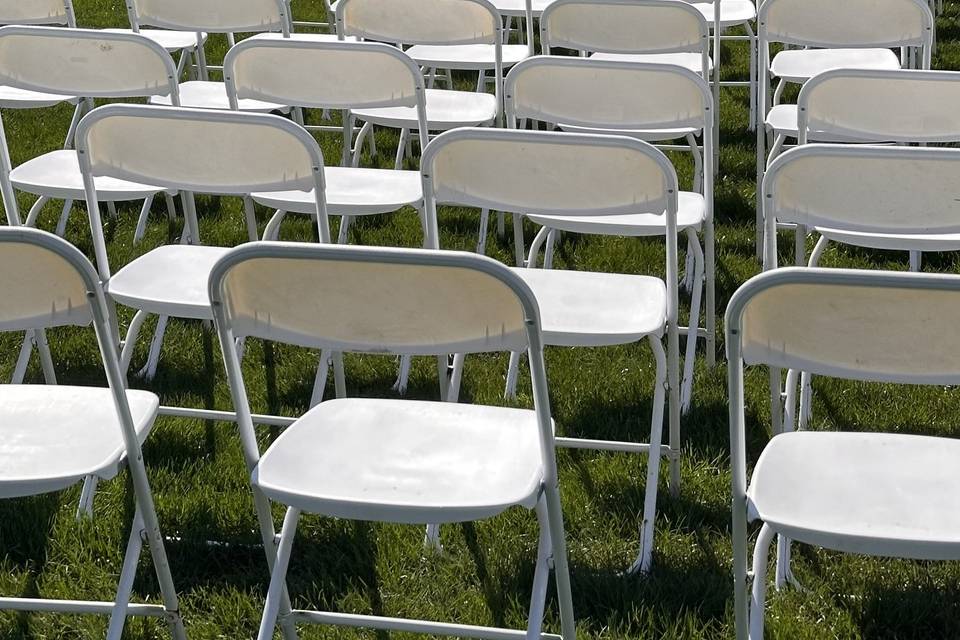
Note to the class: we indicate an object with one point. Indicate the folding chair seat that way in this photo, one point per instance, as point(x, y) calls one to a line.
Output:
point(34, 12)
point(215, 16)
point(733, 13)
point(412, 462)
point(855, 502)
point(644, 100)
point(169, 281)
point(355, 193)
point(92, 64)
point(828, 35)
point(55, 436)
point(341, 76)
point(78, 434)
point(876, 494)
point(413, 22)
point(608, 310)
point(491, 461)
point(690, 61)
point(589, 175)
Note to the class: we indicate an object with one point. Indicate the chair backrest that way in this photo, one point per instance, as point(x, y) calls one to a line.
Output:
point(850, 23)
point(390, 301)
point(607, 94)
point(46, 282)
point(222, 152)
point(624, 26)
point(85, 62)
point(902, 105)
point(324, 74)
point(531, 172)
point(53, 12)
point(420, 21)
point(212, 16)
point(848, 323)
point(878, 189)
point(374, 300)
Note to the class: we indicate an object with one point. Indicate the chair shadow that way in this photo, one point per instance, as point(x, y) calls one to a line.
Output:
point(25, 544)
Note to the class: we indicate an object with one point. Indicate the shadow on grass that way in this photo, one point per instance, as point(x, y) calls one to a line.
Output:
point(26, 527)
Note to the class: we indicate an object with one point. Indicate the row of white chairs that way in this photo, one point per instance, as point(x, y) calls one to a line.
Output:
point(868, 326)
point(280, 299)
point(867, 493)
point(165, 284)
point(820, 36)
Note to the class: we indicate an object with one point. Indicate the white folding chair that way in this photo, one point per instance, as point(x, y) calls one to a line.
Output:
point(415, 22)
point(662, 31)
point(650, 101)
point(655, 31)
point(830, 35)
point(333, 75)
point(34, 12)
point(901, 106)
point(877, 494)
point(475, 57)
point(578, 175)
point(91, 64)
point(187, 43)
point(221, 152)
point(213, 16)
point(55, 436)
point(402, 461)
point(878, 197)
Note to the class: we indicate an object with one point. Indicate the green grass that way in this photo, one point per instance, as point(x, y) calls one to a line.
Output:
point(485, 574)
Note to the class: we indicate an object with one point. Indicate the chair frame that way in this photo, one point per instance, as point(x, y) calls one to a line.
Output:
point(807, 92)
point(278, 550)
point(348, 158)
point(748, 621)
point(145, 527)
point(190, 213)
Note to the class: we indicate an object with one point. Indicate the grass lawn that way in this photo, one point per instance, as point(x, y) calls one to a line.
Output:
point(486, 572)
